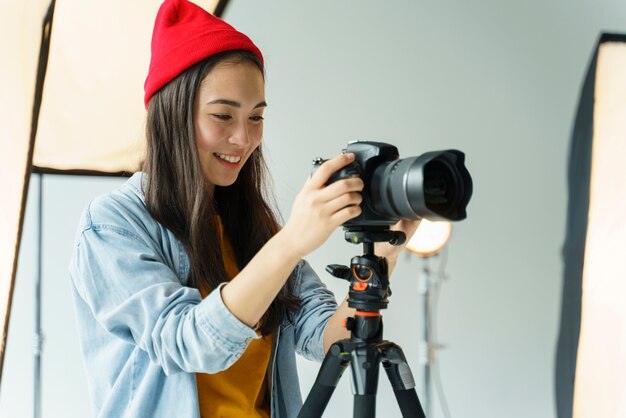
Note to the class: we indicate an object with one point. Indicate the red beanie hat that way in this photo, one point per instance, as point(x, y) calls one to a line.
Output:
point(185, 34)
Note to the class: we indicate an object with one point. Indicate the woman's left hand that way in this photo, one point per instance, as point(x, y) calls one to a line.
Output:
point(391, 252)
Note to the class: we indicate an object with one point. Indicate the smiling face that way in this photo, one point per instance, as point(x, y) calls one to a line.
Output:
point(228, 119)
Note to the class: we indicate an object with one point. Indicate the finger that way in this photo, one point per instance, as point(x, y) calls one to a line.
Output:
point(347, 199)
point(345, 214)
point(323, 173)
point(349, 185)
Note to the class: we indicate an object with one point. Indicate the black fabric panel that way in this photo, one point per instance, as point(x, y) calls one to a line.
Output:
point(80, 172)
point(579, 174)
point(220, 8)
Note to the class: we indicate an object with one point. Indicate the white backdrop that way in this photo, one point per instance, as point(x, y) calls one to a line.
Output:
point(498, 80)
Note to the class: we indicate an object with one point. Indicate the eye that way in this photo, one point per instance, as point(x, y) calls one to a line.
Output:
point(221, 116)
point(257, 118)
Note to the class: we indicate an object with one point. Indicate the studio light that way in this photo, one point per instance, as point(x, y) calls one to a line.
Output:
point(430, 238)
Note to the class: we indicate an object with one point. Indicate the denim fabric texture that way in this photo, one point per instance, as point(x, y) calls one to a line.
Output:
point(144, 334)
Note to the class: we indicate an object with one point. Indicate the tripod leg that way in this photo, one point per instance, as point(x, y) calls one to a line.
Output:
point(402, 381)
point(332, 368)
point(364, 406)
point(365, 368)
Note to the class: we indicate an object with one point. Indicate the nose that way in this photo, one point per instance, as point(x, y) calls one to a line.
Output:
point(240, 135)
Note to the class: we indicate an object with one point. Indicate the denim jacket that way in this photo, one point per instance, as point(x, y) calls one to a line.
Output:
point(144, 334)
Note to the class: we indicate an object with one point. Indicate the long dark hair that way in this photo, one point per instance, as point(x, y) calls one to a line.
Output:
point(178, 196)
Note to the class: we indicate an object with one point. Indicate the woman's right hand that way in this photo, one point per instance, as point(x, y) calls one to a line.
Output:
point(319, 209)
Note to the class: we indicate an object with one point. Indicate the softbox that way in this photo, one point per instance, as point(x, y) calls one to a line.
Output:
point(591, 353)
point(71, 101)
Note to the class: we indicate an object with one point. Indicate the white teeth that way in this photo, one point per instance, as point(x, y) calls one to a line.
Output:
point(229, 158)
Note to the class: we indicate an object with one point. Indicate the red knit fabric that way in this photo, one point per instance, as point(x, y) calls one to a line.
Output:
point(185, 34)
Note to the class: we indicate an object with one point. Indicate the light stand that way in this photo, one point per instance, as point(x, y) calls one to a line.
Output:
point(429, 239)
point(38, 333)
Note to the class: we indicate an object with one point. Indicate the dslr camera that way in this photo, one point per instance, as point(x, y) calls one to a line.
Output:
point(435, 185)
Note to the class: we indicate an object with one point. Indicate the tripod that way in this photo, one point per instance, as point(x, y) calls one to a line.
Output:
point(365, 349)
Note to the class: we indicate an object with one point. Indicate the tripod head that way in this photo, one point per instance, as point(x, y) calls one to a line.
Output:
point(368, 274)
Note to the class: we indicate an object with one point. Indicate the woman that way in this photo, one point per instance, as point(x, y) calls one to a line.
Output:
point(191, 299)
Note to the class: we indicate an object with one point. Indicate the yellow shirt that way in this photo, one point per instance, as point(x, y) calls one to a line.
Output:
point(238, 391)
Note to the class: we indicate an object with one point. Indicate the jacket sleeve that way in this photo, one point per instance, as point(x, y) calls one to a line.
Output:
point(318, 305)
point(134, 295)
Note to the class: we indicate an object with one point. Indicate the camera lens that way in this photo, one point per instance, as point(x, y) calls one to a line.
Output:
point(435, 186)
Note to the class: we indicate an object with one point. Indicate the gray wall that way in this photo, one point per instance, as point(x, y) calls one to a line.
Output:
point(498, 80)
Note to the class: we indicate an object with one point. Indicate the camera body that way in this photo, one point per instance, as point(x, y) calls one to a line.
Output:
point(435, 185)
point(368, 156)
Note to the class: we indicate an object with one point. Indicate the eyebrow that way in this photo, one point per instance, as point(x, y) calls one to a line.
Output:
point(235, 104)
